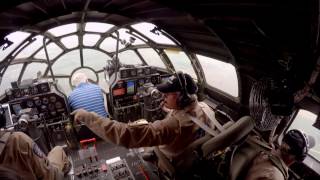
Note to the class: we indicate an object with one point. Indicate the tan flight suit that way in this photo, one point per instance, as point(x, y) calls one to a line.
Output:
point(172, 134)
point(23, 155)
point(263, 168)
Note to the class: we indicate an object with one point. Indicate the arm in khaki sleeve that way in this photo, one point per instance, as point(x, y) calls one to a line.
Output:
point(131, 136)
point(25, 155)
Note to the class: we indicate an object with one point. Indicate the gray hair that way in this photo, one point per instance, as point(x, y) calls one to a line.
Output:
point(79, 78)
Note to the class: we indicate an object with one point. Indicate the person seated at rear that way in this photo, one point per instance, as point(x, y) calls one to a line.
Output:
point(22, 155)
point(274, 165)
point(86, 96)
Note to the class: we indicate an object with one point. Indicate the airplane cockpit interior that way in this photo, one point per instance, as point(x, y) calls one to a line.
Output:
point(256, 65)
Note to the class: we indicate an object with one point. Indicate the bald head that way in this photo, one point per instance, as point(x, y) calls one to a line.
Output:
point(79, 78)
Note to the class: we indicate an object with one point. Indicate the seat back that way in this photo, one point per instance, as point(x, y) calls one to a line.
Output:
point(229, 136)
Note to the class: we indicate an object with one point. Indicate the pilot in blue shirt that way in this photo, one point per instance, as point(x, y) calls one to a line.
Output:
point(87, 96)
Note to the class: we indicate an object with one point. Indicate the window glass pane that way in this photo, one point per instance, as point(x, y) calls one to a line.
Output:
point(158, 37)
point(181, 62)
point(90, 39)
point(97, 27)
point(53, 52)
point(70, 41)
point(128, 37)
point(151, 57)
point(109, 45)
point(129, 57)
point(29, 50)
point(16, 38)
point(64, 29)
point(67, 63)
point(220, 75)
point(32, 69)
point(94, 59)
point(12, 73)
point(102, 82)
point(64, 85)
point(304, 121)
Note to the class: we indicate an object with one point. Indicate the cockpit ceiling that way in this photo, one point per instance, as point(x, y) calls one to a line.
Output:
point(261, 38)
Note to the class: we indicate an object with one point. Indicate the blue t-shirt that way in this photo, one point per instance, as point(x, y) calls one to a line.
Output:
point(89, 97)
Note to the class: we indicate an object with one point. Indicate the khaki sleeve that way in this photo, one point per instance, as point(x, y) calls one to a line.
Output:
point(134, 135)
point(25, 155)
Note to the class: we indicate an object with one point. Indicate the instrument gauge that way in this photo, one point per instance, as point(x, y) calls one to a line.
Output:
point(37, 102)
point(53, 99)
point(34, 90)
point(30, 103)
point(58, 105)
point(45, 100)
point(44, 88)
point(51, 107)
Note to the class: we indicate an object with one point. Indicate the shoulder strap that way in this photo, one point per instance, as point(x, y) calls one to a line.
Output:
point(3, 140)
point(211, 115)
point(203, 126)
point(277, 162)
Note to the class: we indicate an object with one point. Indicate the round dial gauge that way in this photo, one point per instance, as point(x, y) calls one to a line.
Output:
point(30, 103)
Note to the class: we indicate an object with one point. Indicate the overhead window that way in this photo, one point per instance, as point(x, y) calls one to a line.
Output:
point(151, 57)
point(64, 29)
point(97, 27)
point(53, 52)
point(95, 59)
point(129, 57)
point(220, 75)
point(10, 75)
point(150, 30)
point(32, 48)
point(16, 38)
point(304, 121)
point(70, 41)
point(66, 63)
point(90, 39)
point(109, 45)
point(180, 61)
point(127, 38)
point(32, 69)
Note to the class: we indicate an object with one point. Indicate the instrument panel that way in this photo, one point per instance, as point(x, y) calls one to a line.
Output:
point(34, 89)
point(50, 106)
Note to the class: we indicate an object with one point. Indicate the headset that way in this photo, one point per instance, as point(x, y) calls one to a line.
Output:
point(185, 98)
point(302, 154)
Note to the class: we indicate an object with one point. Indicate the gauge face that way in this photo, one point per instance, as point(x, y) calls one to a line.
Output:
point(30, 103)
point(45, 100)
point(133, 72)
point(147, 71)
point(58, 105)
point(37, 102)
point(53, 99)
point(34, 90)
point(44, 88)
point(51, 107)
point(124, 74)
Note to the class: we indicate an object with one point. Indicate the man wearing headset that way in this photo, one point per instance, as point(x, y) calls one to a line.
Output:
point(171, 135)
point(274, 166)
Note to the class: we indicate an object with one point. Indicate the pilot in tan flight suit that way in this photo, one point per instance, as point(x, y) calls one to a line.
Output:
point(21, 154)
point(171, 135)
point(274, 165)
